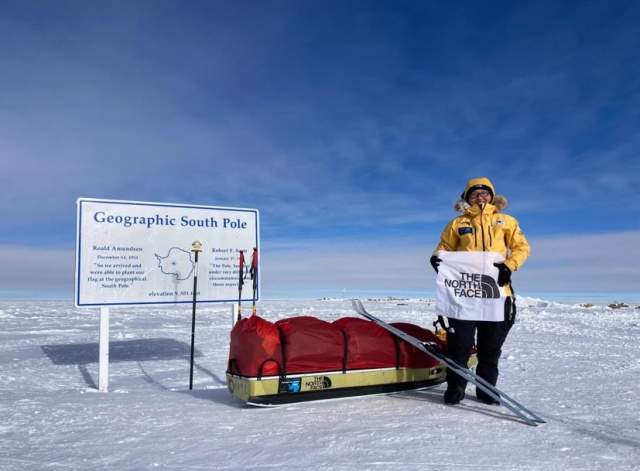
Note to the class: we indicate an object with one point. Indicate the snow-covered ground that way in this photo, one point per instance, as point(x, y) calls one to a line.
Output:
point(579, 368)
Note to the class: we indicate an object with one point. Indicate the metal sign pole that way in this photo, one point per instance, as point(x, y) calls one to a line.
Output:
point(196, 248)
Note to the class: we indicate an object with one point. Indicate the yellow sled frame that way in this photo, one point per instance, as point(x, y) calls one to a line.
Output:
point(276, 390)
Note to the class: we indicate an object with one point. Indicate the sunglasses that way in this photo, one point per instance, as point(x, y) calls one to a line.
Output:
point(479, 194)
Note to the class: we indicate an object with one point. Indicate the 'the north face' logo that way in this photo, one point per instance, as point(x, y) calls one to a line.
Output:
point(318, 382)
point(489, 287)
point(474, 285)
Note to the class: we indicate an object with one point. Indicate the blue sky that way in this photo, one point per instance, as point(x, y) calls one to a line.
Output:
point(351, 126)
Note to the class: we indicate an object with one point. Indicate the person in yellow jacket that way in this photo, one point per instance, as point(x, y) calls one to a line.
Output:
point(481, 227)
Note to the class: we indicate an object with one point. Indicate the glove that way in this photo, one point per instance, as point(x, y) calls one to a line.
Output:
point(504, 275)
point(435, 262)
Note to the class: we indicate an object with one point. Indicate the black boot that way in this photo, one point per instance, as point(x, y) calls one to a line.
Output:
point(484, 397)
point(453, 395)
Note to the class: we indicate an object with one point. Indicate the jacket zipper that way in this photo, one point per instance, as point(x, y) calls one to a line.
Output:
point(484, 249)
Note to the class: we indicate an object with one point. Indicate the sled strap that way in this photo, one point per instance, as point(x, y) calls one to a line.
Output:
point(346, 351)
point(396, 342)
point(510, 307)
point(268, 360)
point(442, 323)
point(283, 342)
point(233, 367)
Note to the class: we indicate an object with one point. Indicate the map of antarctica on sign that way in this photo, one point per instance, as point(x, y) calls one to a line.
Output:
point(177, 263)
point(133, 253)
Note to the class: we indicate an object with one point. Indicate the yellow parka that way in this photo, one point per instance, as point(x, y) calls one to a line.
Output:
point(483, 228)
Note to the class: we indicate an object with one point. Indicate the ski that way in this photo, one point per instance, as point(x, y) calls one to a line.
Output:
point(431, 349)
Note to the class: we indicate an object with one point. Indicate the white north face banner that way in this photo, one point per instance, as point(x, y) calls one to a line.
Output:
point(467, 286)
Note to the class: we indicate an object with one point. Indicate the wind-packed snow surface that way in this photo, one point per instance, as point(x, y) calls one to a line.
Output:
point(577, 367)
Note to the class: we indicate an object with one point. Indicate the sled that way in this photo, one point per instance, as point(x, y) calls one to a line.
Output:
point(307, 359)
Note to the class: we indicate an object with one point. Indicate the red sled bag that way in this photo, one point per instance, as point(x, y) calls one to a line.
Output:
point(410, 356)
point(311, 345)
point(368, 344)
point(256, 349)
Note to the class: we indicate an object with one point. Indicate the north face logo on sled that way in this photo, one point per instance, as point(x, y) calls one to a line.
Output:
point(474, 285)
point(318, 382)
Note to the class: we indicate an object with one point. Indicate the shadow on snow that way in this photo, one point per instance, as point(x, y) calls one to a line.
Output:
point(123, 350)
point(140, 350)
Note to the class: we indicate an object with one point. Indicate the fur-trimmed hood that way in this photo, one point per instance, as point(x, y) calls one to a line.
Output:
point(499, 201)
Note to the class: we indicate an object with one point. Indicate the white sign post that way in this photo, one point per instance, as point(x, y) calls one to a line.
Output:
point(131, 253)
point(103, 351)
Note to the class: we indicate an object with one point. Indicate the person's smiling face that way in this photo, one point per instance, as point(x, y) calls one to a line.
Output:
point(480, 196)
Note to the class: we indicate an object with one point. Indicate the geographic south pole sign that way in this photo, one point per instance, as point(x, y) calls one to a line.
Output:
point(134, 253)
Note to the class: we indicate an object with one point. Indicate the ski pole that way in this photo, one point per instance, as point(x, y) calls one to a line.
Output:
point(240, 283)
point(254, 277)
